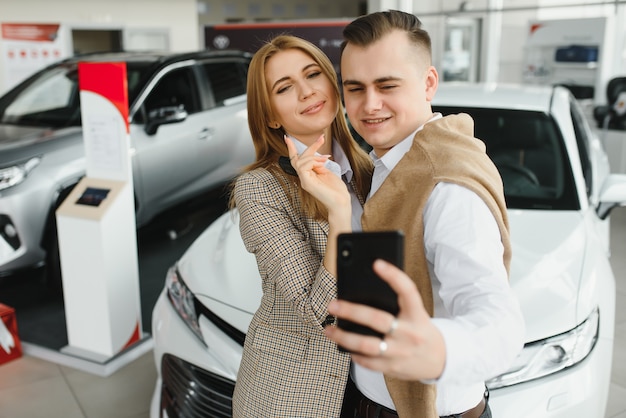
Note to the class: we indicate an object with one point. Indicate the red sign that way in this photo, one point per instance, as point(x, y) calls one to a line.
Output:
point(7, 316)
point(90, 76)
point(30, 32)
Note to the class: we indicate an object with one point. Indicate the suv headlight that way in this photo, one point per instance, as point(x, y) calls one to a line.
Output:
point(183, 301)
point(545, 357)
point(14, 175)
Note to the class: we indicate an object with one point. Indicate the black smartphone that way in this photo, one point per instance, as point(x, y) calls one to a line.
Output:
point(356, 280)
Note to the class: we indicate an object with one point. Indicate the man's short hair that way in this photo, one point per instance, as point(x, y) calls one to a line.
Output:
point(369, 28)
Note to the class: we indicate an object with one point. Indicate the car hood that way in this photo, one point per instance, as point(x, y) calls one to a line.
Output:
point(545, 272)
point(221, 273)
point(546, 268)
point(18, 143)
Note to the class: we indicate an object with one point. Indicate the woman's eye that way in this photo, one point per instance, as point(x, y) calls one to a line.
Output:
point(282, 89)
point(314, 74)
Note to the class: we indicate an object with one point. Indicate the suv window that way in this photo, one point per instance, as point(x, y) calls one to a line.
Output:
point(50, 100)
point(51, 97)
point(227, 80)
point(176, 88)
point(582, 140)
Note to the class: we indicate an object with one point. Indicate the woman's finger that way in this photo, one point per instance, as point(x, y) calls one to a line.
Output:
point(291, 148)
point(314, 147)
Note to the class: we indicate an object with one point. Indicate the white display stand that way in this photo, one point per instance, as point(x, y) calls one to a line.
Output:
point(96, 227)
point(100, 283)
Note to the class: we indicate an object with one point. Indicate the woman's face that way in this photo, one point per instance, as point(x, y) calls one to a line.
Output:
point(303, 98)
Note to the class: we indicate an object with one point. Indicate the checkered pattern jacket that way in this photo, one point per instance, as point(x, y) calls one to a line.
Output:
point(289, 368)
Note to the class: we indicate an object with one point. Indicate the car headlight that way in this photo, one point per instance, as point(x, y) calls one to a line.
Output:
point(183, 301)
point(14, 175)
point(545, 357)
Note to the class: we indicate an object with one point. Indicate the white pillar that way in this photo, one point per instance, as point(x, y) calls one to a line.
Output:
point(493, 33)
point(381, 5)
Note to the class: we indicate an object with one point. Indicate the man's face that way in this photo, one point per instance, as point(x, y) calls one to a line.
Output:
point(388, 87)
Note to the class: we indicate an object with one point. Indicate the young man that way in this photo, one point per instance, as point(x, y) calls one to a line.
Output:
point(433, 180)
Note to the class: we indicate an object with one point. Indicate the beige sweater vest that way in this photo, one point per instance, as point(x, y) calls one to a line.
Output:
point(445, 150)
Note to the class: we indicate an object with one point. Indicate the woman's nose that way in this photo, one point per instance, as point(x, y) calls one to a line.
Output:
point(306, 91)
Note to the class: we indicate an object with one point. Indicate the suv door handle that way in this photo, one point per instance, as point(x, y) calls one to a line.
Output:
point(206, 133)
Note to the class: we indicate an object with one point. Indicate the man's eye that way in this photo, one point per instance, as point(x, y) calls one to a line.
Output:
point(354, 89)
point(388, 87)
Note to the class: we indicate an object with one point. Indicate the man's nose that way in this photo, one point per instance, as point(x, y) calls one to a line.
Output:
point(372, 102)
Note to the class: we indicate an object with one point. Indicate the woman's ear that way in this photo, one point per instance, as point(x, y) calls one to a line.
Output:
point(274, 125)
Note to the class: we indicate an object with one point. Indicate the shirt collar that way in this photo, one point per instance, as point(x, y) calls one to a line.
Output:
point(338, 165)
point(395, 154)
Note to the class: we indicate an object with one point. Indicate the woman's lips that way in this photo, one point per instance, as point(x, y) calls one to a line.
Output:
point(313, 108)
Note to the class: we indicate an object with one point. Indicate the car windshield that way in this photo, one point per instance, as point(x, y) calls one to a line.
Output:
point(528, 150)
point(51, 99)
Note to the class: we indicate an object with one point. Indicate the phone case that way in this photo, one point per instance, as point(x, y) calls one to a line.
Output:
point(356, 280)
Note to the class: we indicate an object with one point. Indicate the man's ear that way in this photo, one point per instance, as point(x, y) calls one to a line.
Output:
point(432, 82)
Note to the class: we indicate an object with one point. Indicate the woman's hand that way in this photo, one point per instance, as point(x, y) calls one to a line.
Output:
point(412, 347)
point(315, 178)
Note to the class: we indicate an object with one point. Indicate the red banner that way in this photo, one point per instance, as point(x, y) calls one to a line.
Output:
point(30, 32)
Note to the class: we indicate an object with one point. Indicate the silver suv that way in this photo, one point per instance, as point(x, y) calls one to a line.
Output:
point(188, 134)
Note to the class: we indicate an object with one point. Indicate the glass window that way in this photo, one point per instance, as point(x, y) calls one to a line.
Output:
point(527, 148)
point(227, 80)
point(49, 100)
point(582, 140)
point(175, 89)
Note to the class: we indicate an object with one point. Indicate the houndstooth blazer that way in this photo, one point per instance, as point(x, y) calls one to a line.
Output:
point(289, 368)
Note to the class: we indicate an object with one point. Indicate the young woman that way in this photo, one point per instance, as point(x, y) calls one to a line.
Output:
point(289, 368)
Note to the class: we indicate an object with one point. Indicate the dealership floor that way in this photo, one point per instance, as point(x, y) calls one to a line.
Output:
point(31, 387)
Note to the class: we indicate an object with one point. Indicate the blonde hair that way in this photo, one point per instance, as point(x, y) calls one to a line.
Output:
point(269, 143)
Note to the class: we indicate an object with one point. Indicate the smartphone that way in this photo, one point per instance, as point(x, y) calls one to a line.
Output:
point(356, 280)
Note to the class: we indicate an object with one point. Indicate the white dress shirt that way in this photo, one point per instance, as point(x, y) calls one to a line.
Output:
point(474, 307)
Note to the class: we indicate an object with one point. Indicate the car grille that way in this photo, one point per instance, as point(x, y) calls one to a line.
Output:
point(189, 391)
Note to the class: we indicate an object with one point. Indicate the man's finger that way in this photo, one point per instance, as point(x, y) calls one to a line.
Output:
point(373, 318)
point(409, 299)
point(352, 342)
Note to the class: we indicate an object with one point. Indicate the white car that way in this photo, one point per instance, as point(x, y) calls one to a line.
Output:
point(559, 194)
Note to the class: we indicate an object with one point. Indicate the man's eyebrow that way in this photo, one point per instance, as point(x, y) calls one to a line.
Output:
point(376, 81)
point(351, 83)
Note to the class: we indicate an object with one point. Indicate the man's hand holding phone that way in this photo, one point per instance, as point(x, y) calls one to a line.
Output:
point(411, 347)
point(356, 280)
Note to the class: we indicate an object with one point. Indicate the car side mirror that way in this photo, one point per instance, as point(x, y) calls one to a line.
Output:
point(164, 115)
point(612, 195)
